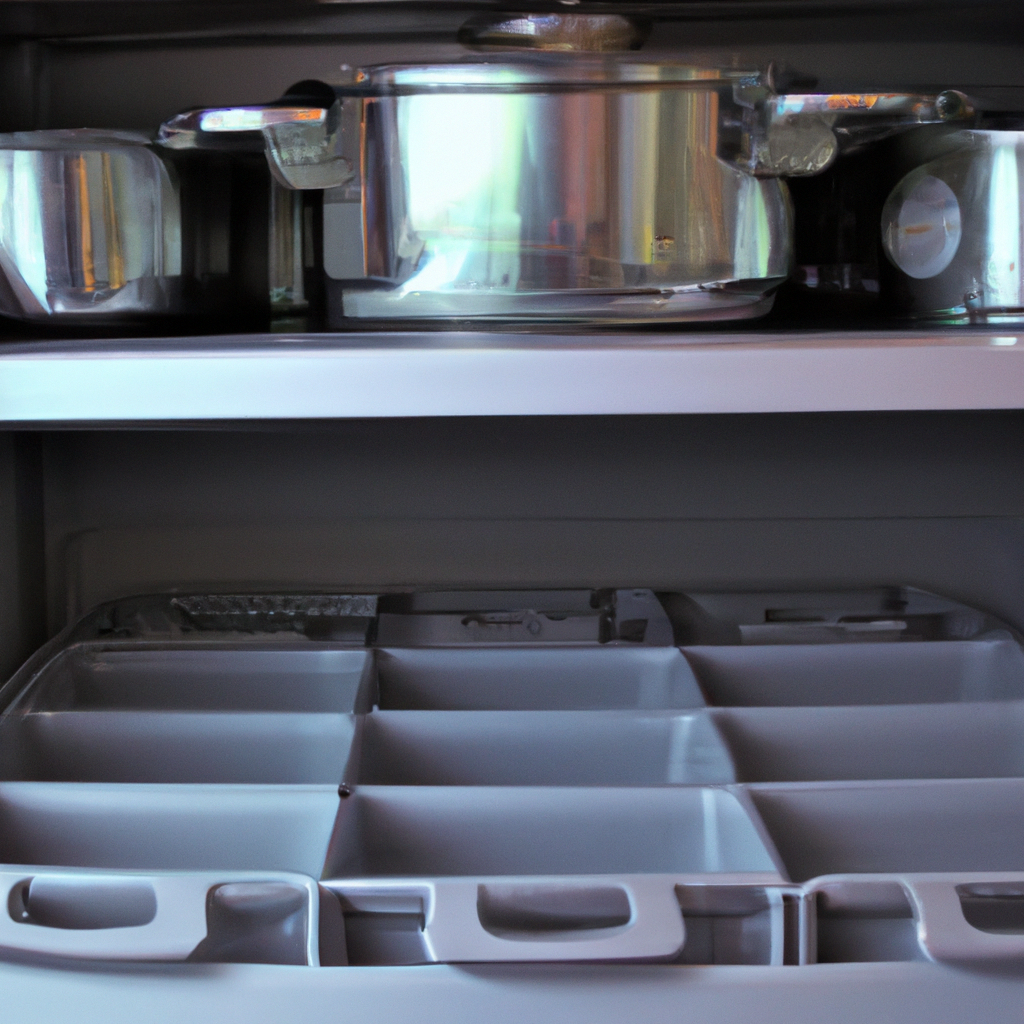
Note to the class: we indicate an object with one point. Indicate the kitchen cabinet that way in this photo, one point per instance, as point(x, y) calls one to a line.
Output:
point(788, 458)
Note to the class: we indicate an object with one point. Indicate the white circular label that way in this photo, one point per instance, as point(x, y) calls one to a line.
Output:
point(921, 225)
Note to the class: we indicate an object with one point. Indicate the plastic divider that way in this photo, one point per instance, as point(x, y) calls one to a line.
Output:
point(970, 922)
point(863, 920)
point(531, 748)
point(176, 747)
point(816, 675)
point(487, 831)
point(179, 678)
point(963, 825)
point(740, 924)
point(167, 827)
point(922, 741)
point(580, 678)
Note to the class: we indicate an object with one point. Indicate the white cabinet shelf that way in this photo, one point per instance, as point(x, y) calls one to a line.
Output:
point(438, 374)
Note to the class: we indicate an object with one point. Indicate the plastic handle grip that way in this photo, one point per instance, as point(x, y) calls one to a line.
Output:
point(654, 930)
point(178, 925)
point(945, 934)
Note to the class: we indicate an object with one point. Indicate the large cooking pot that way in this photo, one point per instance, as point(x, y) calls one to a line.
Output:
point(952, 227)
point(554, 186)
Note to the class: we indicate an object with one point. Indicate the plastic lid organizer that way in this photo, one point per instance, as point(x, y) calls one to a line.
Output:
point(550, 776)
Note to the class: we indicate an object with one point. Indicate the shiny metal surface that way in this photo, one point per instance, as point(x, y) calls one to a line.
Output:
point(89, 226)
point(555, 187)
point(582, 204)
point(568, 32)
point(953, 229)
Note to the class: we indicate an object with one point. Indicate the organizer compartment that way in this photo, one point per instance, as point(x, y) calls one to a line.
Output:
point(487, 831)
point(531, 748)
point(925, 741)
point(861, 673)
point(88, 677)
point(739, 925)
point(864, 921)
point(395, 938)
point(94, 825)
point(483, 783)
point(179, 747)
point(964, 825)
point(582, 678)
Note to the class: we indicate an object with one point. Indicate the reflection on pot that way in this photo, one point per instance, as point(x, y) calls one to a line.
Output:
point(554, 188)
point(89, 225)
point(565, 205)
point(952, 228)
point(103, 227)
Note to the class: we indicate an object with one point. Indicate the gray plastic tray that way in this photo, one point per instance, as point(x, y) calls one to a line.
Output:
point(499, 786)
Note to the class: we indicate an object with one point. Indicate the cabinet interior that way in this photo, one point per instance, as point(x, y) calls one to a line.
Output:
point(451, 772)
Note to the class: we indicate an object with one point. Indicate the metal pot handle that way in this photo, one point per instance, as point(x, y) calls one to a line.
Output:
point(315, 146)
point(307, 146)
point(802, 133)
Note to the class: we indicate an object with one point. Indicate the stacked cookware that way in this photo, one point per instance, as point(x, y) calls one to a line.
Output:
point(552, 176)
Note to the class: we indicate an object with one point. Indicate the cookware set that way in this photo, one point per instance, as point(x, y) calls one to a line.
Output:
point(551, 176)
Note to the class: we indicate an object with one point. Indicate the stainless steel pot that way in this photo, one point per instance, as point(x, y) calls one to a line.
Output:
point(89, 226)
point(952, 227)
point(101, 226)
point(553, 186)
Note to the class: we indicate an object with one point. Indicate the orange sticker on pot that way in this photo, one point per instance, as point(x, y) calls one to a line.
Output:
point(852, 101)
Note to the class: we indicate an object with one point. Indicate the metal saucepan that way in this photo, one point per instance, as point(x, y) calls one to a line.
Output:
point(554, 186)
point(101, 226)
point(952, 227)
point(90, 223)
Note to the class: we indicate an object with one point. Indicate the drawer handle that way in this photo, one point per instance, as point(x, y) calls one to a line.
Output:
point(83, 903)
point(528, 912)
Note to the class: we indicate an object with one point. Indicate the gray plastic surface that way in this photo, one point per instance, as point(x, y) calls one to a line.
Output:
point(516, 679)
point(484, 830)
point(176, 746)
point(92, 915)
point(860, 673)
point(739, 924)
point(170, 678)
point(920, 741)
point(532, 748)
point(514, 919)
point(536, 803)
point(153, 827)
point(965, 825)
point(862, 920)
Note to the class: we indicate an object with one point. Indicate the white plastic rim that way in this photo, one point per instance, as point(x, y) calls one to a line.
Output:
point(921, 225)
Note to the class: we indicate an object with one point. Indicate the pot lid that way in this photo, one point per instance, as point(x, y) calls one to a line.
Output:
point(575, 32)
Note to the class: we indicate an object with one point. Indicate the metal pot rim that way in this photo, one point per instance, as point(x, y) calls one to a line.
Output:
point(532, 70)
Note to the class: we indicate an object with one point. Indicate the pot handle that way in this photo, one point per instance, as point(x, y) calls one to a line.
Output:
point(308, 146)
point(802, 133)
